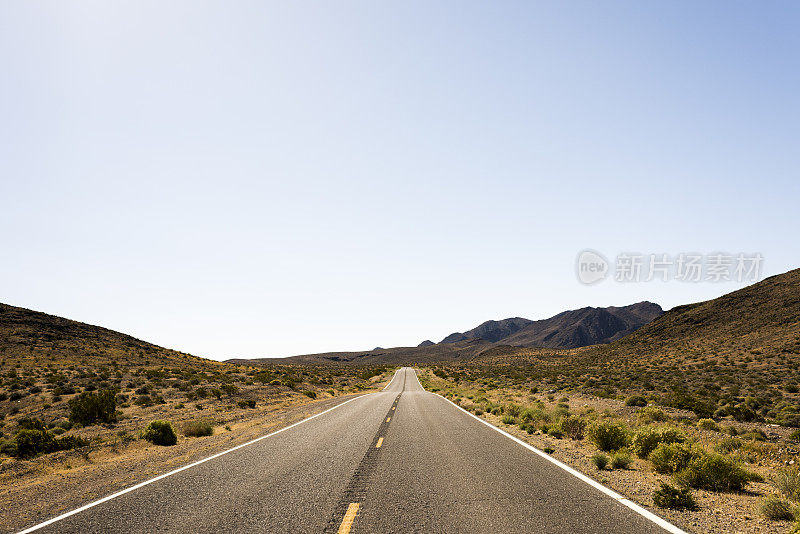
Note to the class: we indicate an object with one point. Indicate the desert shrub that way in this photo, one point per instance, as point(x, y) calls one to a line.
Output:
point(369, 373)
point(555, 432)
point(651, 414)
point(670, 497)
point(755, 435)
point(230, 389)
point(197, 429)
point(646, 439)
point(248, 403)
point(707, 424)
point(549, 450)
point(795, 436)
point(310, 394)
point(715, 472)
point(670, 458)
point(528, 427)
point(787, 481)
point(608, 436)
point(776, 508)
point(573, 426)
point(600, 460)
point(728, 445)
point(9, 447)
point(33, 442)
point(30, 423)
point(561, 410)
point(685, 401)
point(530, 415)
point(89, 408)
point(30, 442)
point(143, 401)
point(636, 400)
point(160, 433)
point(509, 419)
point(621, 460)
point(70, 442)
point(513, 409)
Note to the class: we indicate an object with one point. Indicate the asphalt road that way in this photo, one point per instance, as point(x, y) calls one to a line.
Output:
point(401, 460)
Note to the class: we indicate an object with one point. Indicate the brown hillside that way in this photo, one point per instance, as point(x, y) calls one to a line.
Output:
point(31, 336)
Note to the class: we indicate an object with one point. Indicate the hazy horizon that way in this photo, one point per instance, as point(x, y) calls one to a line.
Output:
point(263, 180)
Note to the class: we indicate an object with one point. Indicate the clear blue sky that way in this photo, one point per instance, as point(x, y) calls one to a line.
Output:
point(267, 179)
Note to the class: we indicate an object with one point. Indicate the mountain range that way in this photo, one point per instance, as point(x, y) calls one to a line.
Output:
point(567, 330)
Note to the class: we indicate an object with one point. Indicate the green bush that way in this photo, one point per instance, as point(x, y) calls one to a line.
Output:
point(530, 415)
point(8, 447)
point(70, 442)
point(608, 436)
point(31, 423)
point(33, 439)
point(787, 481)
point(707, 424)
point(509, 420)
point(160, 433)
point(777, 508)
point(529, 428)
point(600, 460)
point(555, 432)
point(651, 414)
point(249, 403)
point(33, 442)
point(678, 499)
point(310, 394)
point(230, 389)
point(143, 401)
point(728, 445)
point(715, 472)
point(89, 408)
point(670, 458)
point(573, 426)
point(795, 435)
point(621, 460)
point(512, 409)
point(646, 439)
point(636, 400)
point(197, 429)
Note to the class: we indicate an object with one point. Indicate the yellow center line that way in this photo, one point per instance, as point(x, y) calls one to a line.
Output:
point(388, 419)
point(349, 517)
point(380, 442)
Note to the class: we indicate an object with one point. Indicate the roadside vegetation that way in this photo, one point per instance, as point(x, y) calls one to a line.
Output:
point(45, 409)
point(693, 463)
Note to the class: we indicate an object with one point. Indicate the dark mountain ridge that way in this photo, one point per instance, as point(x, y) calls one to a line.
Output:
point(566, 330)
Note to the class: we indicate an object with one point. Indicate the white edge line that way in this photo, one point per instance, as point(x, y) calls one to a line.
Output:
point(178, 470)
point(647, 514)
point(392, 380)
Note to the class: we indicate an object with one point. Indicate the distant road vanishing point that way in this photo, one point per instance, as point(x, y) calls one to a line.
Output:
point(400, 460)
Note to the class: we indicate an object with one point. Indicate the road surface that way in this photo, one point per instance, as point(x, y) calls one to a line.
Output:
point(401, 460)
